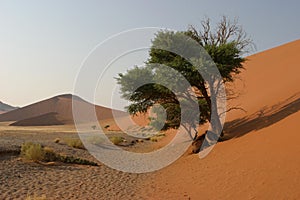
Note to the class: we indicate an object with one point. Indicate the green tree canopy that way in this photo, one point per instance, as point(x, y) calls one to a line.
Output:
point(171, 79)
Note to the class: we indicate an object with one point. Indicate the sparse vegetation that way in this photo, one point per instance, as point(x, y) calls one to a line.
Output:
point(32, 151)
point(74, 160)
point(154, 139)
point(74, 142)
point(107, 126)
point(36, 152)
point(116, 140)
point(50, 155)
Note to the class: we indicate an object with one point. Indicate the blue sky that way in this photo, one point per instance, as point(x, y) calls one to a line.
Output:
point(43, 43)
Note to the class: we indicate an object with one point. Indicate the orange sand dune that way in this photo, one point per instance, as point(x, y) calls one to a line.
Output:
point(54, 111)
point(270, 77)
point(262, 160)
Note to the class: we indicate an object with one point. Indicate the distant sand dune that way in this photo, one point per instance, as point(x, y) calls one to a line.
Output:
point(55, 111)
point(41, 120)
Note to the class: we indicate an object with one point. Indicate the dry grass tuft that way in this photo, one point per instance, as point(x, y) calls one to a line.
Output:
point(32, 151)
point(74, 142)
point(116, 140)
point(37, 153)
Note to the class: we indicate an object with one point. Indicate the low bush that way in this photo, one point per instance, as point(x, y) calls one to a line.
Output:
point(74, 160)
point(154, 139)
point(74, 142)
point(116, 140)
point(32, 151)
point(36, 152)
point(50, 155)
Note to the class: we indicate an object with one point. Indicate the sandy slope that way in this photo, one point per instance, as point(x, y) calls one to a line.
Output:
point(270, 77)
point(262, 160)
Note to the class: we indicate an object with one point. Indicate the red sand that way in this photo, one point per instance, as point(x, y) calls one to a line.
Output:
point(263, 163)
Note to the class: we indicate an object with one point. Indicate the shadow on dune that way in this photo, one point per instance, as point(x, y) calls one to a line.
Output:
point(263, 118)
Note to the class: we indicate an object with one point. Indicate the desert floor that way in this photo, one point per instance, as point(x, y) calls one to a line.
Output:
point(20, 178)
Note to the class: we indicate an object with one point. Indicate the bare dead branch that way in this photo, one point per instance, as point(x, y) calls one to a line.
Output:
point(233, 108)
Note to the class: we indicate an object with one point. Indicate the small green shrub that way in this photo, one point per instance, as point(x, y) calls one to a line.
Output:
point(116, 140)
point(107, 126)
point(50, 155)
point(32, 151)
point(74, 142)
point(73, 160)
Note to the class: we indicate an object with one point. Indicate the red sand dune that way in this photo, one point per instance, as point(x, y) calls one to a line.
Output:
point(54, 111)
point(270, 77)
point(262, 160)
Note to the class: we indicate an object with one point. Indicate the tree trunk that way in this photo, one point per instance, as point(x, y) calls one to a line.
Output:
point(215, 122)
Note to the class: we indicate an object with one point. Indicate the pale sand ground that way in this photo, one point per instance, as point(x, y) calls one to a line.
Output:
point(20, 178)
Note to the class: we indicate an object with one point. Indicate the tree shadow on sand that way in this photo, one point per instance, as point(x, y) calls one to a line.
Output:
point(263, 118)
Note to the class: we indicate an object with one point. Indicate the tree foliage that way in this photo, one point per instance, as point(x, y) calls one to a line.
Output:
point(225, 44)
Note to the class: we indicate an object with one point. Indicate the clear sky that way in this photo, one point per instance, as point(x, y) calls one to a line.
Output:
point(43, 43)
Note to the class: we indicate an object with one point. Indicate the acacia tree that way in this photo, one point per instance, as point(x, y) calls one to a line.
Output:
point(225, 44)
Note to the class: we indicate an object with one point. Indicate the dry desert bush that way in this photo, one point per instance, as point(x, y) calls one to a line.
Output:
point(74, 142)
point(32, 151)
point(116, 140)
point(37, 153)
